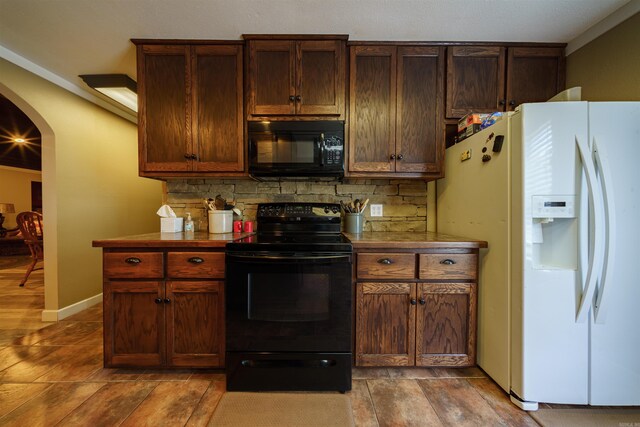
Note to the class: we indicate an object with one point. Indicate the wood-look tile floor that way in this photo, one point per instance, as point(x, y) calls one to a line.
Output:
point(52, 374)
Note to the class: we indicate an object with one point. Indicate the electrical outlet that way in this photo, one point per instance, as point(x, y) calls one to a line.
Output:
point(376, 210)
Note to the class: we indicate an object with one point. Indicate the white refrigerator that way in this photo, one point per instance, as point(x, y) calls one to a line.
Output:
point(559, 288)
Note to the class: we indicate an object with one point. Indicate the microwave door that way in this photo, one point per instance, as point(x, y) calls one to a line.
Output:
point(284, 150)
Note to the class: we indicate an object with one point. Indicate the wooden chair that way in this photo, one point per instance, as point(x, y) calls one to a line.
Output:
point(30, 224)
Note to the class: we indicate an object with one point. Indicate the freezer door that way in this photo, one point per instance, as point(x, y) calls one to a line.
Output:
point(615, 315)
point(549, 356)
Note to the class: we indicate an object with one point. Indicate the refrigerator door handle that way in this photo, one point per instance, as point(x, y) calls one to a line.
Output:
point(599, 306)
point(598, 239)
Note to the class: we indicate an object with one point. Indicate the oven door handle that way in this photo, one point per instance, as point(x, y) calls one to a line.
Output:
point(289, 258)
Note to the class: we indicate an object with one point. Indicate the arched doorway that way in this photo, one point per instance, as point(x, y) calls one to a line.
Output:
point(48, 197)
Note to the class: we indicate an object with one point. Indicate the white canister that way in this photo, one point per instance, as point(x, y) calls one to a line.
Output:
point(220, 221)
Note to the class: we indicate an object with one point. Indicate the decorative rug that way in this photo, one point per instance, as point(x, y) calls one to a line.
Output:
point(7, 262)
point(587, 417)
point(283, 410)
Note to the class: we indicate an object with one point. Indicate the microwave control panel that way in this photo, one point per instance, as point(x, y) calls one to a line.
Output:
point(333, 148)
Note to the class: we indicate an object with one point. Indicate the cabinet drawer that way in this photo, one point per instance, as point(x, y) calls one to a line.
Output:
point(448, 266)
point(203, 265)
point(386, 266)
point(133, 265)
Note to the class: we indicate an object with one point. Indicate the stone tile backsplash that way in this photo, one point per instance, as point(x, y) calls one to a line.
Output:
point(405, 201)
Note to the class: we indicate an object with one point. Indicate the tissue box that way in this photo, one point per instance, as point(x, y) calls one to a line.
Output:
point(171, 225)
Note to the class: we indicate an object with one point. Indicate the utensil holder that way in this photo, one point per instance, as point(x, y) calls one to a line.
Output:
point(354, 222)
point(220, 221)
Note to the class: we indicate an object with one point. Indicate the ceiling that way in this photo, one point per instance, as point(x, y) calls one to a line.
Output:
point(14, 124)
point(73, 37)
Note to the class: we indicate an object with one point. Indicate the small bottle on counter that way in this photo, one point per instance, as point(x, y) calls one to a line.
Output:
point(188, 223)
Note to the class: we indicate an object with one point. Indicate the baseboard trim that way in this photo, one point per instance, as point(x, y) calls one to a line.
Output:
point(70, 310)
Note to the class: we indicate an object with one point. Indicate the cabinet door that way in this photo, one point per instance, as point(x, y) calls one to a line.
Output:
point(271, 77)
point(217, 125)
point(372, 108)
point(195, 323)
point(385, 324)
point(419, 133)
point(133, 323)
point(534, 74)
point(320, 77)
point(164, 126)
point(475, 80)
point(446, 324)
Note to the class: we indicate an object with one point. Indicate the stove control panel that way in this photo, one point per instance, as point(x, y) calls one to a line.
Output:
point(298, 210)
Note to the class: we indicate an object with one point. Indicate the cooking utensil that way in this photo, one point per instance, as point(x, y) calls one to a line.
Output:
point(220, 203)
point(364, 205)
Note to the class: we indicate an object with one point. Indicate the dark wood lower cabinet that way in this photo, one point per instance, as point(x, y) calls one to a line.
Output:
point(429, 322)
point(134, 326)
point(446, 324)
point(385, 324)
point(172, 321)
point(195, 323)
point(164, 307)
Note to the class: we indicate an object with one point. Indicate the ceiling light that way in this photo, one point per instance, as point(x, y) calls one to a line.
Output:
point(119, 87)
point(19, 140)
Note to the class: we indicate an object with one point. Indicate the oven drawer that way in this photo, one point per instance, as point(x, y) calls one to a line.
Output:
point(448, 266)
point(195, 265)
point(133, 265)
point(386, 266)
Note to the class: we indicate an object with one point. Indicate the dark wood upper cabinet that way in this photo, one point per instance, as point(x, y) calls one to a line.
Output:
point(190, 112)
point(419, 125)
point(534, 74)
point(218, 121)
point(164, 115)
point(372, 97)
point(296, 77)
point(485, 79)
point(475, 79)
point(396, 119)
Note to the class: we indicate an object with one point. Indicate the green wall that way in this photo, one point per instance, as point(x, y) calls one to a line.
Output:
point(608, 68)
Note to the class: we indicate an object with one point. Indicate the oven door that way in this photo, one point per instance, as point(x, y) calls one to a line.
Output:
point(279, 302)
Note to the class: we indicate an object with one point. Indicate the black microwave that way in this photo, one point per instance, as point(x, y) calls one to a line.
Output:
point(296, 149)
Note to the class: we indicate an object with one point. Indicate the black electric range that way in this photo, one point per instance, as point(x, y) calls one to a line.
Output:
point(289, 301)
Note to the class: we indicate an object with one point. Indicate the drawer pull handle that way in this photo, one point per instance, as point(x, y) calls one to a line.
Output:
point(196, 260)
point(167, 300)
point(422, 301)
point(447, 261)
point(413, 301)
point(158, 300)
point(133, 260)
point(385, 261)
